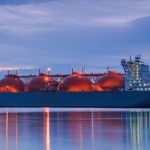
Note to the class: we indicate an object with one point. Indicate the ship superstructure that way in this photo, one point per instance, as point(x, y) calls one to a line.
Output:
point(137, 74)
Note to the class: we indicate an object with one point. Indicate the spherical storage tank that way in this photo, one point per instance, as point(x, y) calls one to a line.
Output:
point(40, 83)
point(11, 83)
point(75, 83)
point(109, 82)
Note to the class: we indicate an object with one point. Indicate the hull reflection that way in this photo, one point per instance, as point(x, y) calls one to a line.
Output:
point(139, 126)
point(83, 130)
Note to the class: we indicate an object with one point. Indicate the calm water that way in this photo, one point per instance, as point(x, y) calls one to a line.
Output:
point(74, 129)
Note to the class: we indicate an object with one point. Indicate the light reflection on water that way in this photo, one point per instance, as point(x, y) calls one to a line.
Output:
point(74, 129)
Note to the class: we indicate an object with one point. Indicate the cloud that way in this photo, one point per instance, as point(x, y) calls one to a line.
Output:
point(58, 15)
point(76, 33)
point(14, 68)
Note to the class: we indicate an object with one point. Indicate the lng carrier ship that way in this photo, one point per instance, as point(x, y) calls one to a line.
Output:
point(107, 90)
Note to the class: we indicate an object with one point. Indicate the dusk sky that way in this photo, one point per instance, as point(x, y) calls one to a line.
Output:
point(64, 33)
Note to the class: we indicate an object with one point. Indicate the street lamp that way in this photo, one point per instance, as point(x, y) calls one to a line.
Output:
point(49, 70)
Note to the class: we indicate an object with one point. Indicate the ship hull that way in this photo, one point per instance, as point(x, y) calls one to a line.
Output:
point(124, 99)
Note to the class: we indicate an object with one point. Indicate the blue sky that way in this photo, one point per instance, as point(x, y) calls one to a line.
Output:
point(67, 33)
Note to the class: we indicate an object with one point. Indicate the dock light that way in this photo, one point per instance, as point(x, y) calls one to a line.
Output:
point(49, 70)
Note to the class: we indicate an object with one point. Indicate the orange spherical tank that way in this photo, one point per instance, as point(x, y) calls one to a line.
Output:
point(11, 83)
point(109, 82)
point(75, 83)
point(40, 83)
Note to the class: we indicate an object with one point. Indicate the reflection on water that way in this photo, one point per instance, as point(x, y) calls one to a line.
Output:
point(74, 130)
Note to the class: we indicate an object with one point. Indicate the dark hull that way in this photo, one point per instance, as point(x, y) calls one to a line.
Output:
point(77, 99)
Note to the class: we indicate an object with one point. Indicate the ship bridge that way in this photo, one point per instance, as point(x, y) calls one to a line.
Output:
point(137, 74)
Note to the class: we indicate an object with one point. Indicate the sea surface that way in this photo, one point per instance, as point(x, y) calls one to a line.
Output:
point(74, 129)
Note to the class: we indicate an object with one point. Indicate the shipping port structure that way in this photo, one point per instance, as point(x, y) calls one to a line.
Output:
point(103, 90)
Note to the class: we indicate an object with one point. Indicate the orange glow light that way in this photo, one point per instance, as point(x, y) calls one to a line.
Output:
point(47, 129)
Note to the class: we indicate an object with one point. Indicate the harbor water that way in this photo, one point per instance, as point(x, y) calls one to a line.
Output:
point(74, 129)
